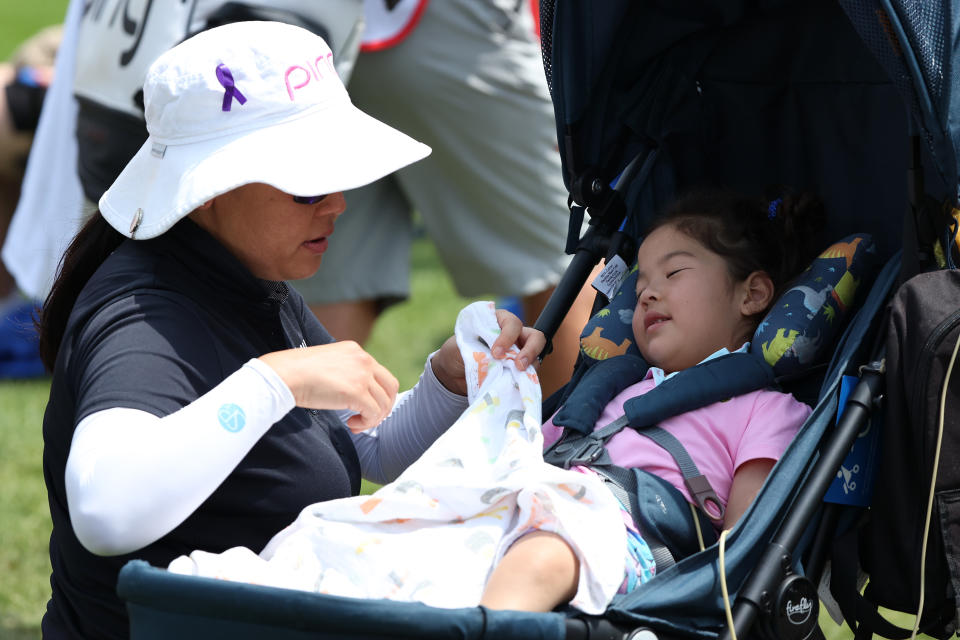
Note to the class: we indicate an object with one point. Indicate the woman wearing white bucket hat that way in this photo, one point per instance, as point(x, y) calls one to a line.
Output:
point(182, 413)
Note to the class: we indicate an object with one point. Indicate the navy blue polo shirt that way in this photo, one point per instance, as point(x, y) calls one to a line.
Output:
point(158, 325)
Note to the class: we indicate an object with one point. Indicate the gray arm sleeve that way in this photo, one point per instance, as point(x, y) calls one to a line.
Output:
point(419, 417)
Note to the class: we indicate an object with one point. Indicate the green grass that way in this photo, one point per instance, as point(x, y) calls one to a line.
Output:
point(20, 20)
point(24, 562)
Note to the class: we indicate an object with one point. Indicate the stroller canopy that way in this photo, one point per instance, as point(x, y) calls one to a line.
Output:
point(821, 109)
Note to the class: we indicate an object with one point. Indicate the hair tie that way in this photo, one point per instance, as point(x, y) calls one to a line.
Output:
point(773, 208)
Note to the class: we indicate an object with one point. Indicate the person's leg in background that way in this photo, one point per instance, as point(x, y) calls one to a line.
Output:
point(14, 146)
point(469, 82)
point(23, 84)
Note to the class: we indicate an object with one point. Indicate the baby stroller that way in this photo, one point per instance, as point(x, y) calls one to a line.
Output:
point(845, 99)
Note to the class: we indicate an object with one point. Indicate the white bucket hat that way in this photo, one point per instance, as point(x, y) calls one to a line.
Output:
point(247, 102)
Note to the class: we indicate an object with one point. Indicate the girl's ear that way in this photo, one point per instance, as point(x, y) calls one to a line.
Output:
point(757, 293)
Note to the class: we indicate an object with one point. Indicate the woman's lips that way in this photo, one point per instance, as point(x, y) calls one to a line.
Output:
point(317, 245)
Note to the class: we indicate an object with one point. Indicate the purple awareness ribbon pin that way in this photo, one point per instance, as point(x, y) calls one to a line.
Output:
point(226, 80)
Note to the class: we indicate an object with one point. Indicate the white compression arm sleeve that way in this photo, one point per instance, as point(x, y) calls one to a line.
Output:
point(132, 477)
point(121, 492)
point(418, 418)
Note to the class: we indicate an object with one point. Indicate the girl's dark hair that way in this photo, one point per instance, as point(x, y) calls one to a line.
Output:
point(93, 243)
point(779, 236)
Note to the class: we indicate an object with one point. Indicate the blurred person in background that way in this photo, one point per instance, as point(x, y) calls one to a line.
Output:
point(24, 79)
point(24, 82)
point(463, 75)
point(93, 120)
point(466, 77)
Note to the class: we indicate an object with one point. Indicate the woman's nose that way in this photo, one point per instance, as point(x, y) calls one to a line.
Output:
point(335, 204)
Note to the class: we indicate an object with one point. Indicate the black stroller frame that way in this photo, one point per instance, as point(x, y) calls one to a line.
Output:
point(850, 99)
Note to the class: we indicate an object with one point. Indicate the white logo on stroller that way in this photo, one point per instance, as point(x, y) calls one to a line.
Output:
point(798, 613)
point(660, 503)
point(846, 475)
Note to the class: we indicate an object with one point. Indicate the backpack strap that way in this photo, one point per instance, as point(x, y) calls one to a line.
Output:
point(859, 610)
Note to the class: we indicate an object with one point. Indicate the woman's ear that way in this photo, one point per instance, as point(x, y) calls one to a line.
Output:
point(757, 293)
point(199, 214)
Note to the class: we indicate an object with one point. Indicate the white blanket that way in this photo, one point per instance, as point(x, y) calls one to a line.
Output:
point(435, 533)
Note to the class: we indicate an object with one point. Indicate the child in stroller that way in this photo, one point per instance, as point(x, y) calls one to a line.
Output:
point(708, 271)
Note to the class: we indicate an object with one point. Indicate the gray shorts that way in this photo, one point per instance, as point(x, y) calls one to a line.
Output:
point(469, 82)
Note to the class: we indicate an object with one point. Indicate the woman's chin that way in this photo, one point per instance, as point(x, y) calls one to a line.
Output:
point(298, 272)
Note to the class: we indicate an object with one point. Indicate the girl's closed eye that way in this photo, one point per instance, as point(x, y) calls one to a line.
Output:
point(672, 273)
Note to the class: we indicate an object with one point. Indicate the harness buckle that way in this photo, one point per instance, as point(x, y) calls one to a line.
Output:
point(705, 497)
point(589, 452)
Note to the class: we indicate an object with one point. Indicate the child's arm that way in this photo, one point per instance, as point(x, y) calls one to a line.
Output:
point(747, 480)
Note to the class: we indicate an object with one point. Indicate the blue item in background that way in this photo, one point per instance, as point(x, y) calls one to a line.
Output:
point(19, 357)
point(512, 304)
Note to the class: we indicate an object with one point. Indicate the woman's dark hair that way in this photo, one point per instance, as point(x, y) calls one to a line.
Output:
point(93, 243)
point(779, 236)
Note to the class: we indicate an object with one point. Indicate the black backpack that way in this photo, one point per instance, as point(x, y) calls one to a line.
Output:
point(921, 394)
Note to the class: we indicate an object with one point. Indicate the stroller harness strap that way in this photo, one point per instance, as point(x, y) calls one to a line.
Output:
point(718, 379)
point(696, 482)
point(709, 382)
point(590, 450)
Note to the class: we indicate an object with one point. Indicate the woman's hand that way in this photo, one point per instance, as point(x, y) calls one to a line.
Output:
point(448, 364)
point(337, 376)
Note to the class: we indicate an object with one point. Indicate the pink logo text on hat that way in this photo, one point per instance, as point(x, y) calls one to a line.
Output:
point(314, 70)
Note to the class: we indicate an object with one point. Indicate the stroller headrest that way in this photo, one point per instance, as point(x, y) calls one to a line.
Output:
point(799, 330)
point(802, 326)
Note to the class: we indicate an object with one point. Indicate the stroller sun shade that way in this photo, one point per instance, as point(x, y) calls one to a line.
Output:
point(786, 93)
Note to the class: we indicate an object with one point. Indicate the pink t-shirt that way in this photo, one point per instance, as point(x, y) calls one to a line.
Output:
point(719, 437)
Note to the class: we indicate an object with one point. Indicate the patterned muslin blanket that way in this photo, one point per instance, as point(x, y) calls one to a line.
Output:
point(434, 534)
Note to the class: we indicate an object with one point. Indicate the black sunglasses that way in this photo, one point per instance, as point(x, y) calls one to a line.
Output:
point(309, 199)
